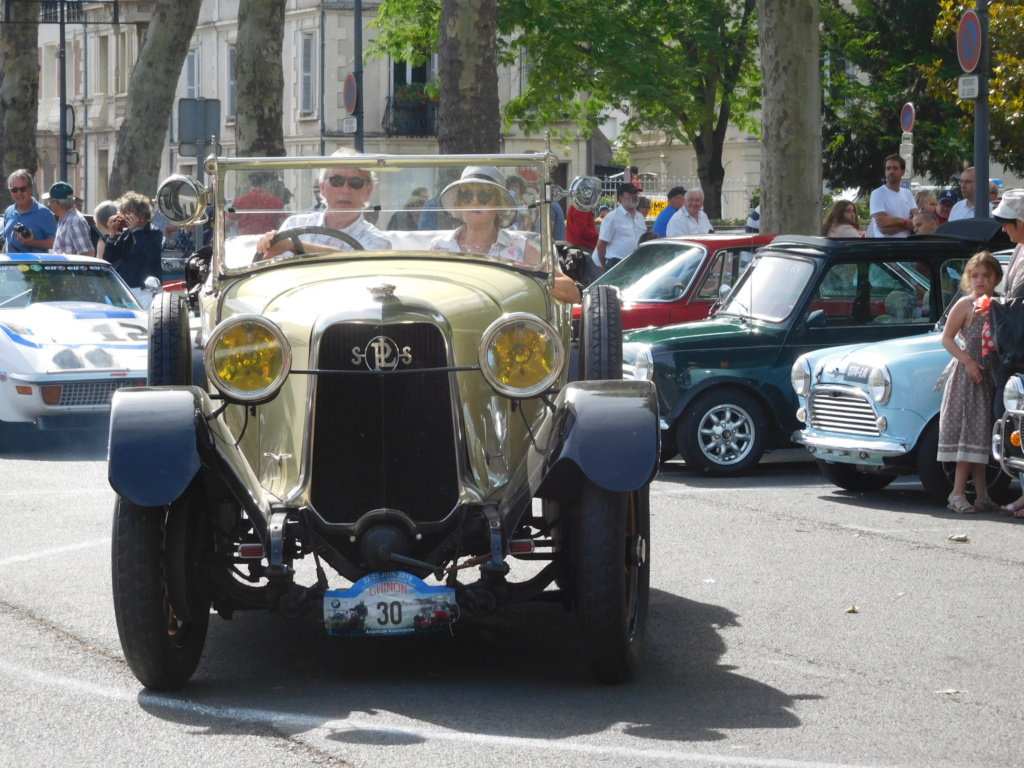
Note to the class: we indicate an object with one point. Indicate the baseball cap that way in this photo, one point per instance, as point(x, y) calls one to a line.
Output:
point(947, 194)
point(1011, 206)
point(61, 191)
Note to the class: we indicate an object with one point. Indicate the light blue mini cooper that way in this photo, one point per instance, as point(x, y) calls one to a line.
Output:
point(871, 413)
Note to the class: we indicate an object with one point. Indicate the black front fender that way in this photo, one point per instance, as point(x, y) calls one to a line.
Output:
point(606, 430)
point(152, 454)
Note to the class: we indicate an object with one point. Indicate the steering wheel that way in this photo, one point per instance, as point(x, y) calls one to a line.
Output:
point(292, 233)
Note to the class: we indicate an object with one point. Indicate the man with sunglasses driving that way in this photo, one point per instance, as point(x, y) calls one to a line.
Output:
point(29, 227)
point(346, 194)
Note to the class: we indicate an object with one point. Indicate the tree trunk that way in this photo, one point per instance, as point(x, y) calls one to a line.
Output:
point(259, 79)
point(468, 117)
point(19, 92)
point(151, 96)
point(791, 117)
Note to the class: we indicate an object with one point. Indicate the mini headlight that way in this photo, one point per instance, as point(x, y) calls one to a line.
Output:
point(521, 355)
point(800, 376)
point(1013, 394)
point(880, 384)
point(643, 365)
point(248, 359)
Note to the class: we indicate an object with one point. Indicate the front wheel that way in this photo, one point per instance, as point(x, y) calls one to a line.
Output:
point(612, 573)
point(161, 610)
point(937, 476)
point(722, 433)
point(848, 478)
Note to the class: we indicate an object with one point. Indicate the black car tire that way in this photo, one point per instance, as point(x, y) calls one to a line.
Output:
point(937, 476)
point(600, 355)
point(722, 433)
point(848, 478)
point(170, 344)
point(611, 560)
point(161, 648)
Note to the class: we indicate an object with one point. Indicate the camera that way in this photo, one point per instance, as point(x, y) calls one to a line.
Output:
point(22, 230)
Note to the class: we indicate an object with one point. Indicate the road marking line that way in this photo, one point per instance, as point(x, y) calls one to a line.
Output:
point(55, 551)
point(311, 723)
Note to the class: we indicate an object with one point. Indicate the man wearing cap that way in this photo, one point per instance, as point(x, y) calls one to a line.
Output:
point(676, 195)
point(73, 236)
point(620, 233)
point(28, 226)
point(947, 199)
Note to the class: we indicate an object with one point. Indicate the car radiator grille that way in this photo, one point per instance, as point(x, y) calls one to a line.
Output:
point(94, 392)
point(383, 440)
point(842, 410)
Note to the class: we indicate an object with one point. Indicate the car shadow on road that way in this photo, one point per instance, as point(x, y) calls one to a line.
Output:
point(913, 500)
point(23, 442)
point(517, 675)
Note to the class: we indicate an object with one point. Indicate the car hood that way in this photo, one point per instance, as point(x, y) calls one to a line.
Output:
point(716, 332)
point(914, 363)
point(40, 330)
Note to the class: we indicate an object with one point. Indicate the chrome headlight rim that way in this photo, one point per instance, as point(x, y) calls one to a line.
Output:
point(233, 394)
point(880, 384)
point(1013, 394)
point(800, 377)
point(643, 365)
point(507, 322)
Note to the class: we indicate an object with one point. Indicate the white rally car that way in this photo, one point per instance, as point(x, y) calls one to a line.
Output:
point(71, 334)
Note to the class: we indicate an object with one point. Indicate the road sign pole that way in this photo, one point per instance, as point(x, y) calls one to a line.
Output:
point(981, 129)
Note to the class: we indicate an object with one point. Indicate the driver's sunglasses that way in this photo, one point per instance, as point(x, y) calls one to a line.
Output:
point(483, 196)
point(355, 182)
point(12, 190)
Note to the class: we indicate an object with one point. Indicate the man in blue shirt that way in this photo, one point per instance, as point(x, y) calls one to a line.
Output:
point(676, 195)
point(29, 227)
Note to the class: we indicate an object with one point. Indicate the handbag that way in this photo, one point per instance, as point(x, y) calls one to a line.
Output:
point(1006, 316)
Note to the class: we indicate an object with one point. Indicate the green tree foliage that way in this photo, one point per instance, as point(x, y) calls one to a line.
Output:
point(874, 60)
point(1006, 84)
point(687, 67)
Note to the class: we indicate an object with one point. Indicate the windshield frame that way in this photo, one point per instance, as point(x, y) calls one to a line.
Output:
point(219, 170)
point(766, 253)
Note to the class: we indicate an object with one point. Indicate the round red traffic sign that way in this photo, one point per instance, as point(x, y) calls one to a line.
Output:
point(968, 41)
point(907, 116)
point(351, 93)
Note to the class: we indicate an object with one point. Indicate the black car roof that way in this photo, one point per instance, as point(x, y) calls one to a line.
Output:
point(976, 232)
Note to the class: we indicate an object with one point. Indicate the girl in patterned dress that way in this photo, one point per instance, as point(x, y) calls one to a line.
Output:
point(965, 422)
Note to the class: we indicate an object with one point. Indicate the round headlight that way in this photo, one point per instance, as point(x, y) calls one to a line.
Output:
point(800, 376)
point(248, 359)
point(1013, 394)
point(643, 365)
point(880, 384)
point(521, 355)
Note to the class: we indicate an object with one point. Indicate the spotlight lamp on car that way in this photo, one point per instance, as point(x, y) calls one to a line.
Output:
point(521, 356)
point(248, 359)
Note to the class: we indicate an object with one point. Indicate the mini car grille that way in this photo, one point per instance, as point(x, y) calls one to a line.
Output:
point(94, 392)
point(383, 440)
point(834, 409)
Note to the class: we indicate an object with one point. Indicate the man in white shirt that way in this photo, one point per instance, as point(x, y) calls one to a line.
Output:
point(690, 219)
point(892, 206)
point(965, 208)
point(619, 235)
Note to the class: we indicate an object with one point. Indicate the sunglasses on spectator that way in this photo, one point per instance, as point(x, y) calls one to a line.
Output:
point(12, 190)
point(483, 196)
point(355, 182)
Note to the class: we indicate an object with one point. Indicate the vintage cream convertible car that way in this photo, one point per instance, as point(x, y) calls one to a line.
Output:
point(391, 403)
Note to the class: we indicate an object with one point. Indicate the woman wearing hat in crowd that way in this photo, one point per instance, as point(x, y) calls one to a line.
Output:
point(485, 207)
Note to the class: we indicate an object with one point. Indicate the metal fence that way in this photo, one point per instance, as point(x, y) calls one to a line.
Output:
point(735, 192)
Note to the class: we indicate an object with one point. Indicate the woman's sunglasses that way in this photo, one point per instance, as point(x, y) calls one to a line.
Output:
point(355, 182)
point(483, 196)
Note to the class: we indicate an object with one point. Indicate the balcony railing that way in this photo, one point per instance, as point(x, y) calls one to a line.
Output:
point(404, 117)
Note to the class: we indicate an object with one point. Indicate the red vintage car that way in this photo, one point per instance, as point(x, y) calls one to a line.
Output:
point(677, 279)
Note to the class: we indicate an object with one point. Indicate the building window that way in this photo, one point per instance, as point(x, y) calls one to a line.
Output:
point(192, 74)
point(125, 62)
point(307, 84)
point(101, 72)
point(231, 106)
point(49, 72)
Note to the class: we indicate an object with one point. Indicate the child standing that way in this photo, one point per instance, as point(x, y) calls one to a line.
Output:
point(965, 423)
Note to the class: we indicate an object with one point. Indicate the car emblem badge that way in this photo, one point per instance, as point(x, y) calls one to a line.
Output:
point(382, 291)
point(381, 354)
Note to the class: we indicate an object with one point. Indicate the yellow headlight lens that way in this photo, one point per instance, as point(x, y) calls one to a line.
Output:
point(248, 358)
point(521, 355)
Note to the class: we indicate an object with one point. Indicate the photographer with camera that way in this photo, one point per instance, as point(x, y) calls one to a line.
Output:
point(29, 227)
point(134, 244)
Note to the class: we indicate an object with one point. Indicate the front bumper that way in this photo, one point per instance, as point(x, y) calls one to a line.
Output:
point(1010, 457)
point(850, 450)
point(55, 401)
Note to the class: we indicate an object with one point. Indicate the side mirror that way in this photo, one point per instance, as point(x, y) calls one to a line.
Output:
point(817, 319)
point(183, 200)
point(151, 284)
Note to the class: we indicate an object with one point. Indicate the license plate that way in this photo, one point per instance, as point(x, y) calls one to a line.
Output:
point(393, 603)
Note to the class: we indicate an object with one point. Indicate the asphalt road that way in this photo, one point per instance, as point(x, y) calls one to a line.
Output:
point(754, 656)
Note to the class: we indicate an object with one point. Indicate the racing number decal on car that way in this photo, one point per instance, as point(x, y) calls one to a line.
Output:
point(121, 332)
